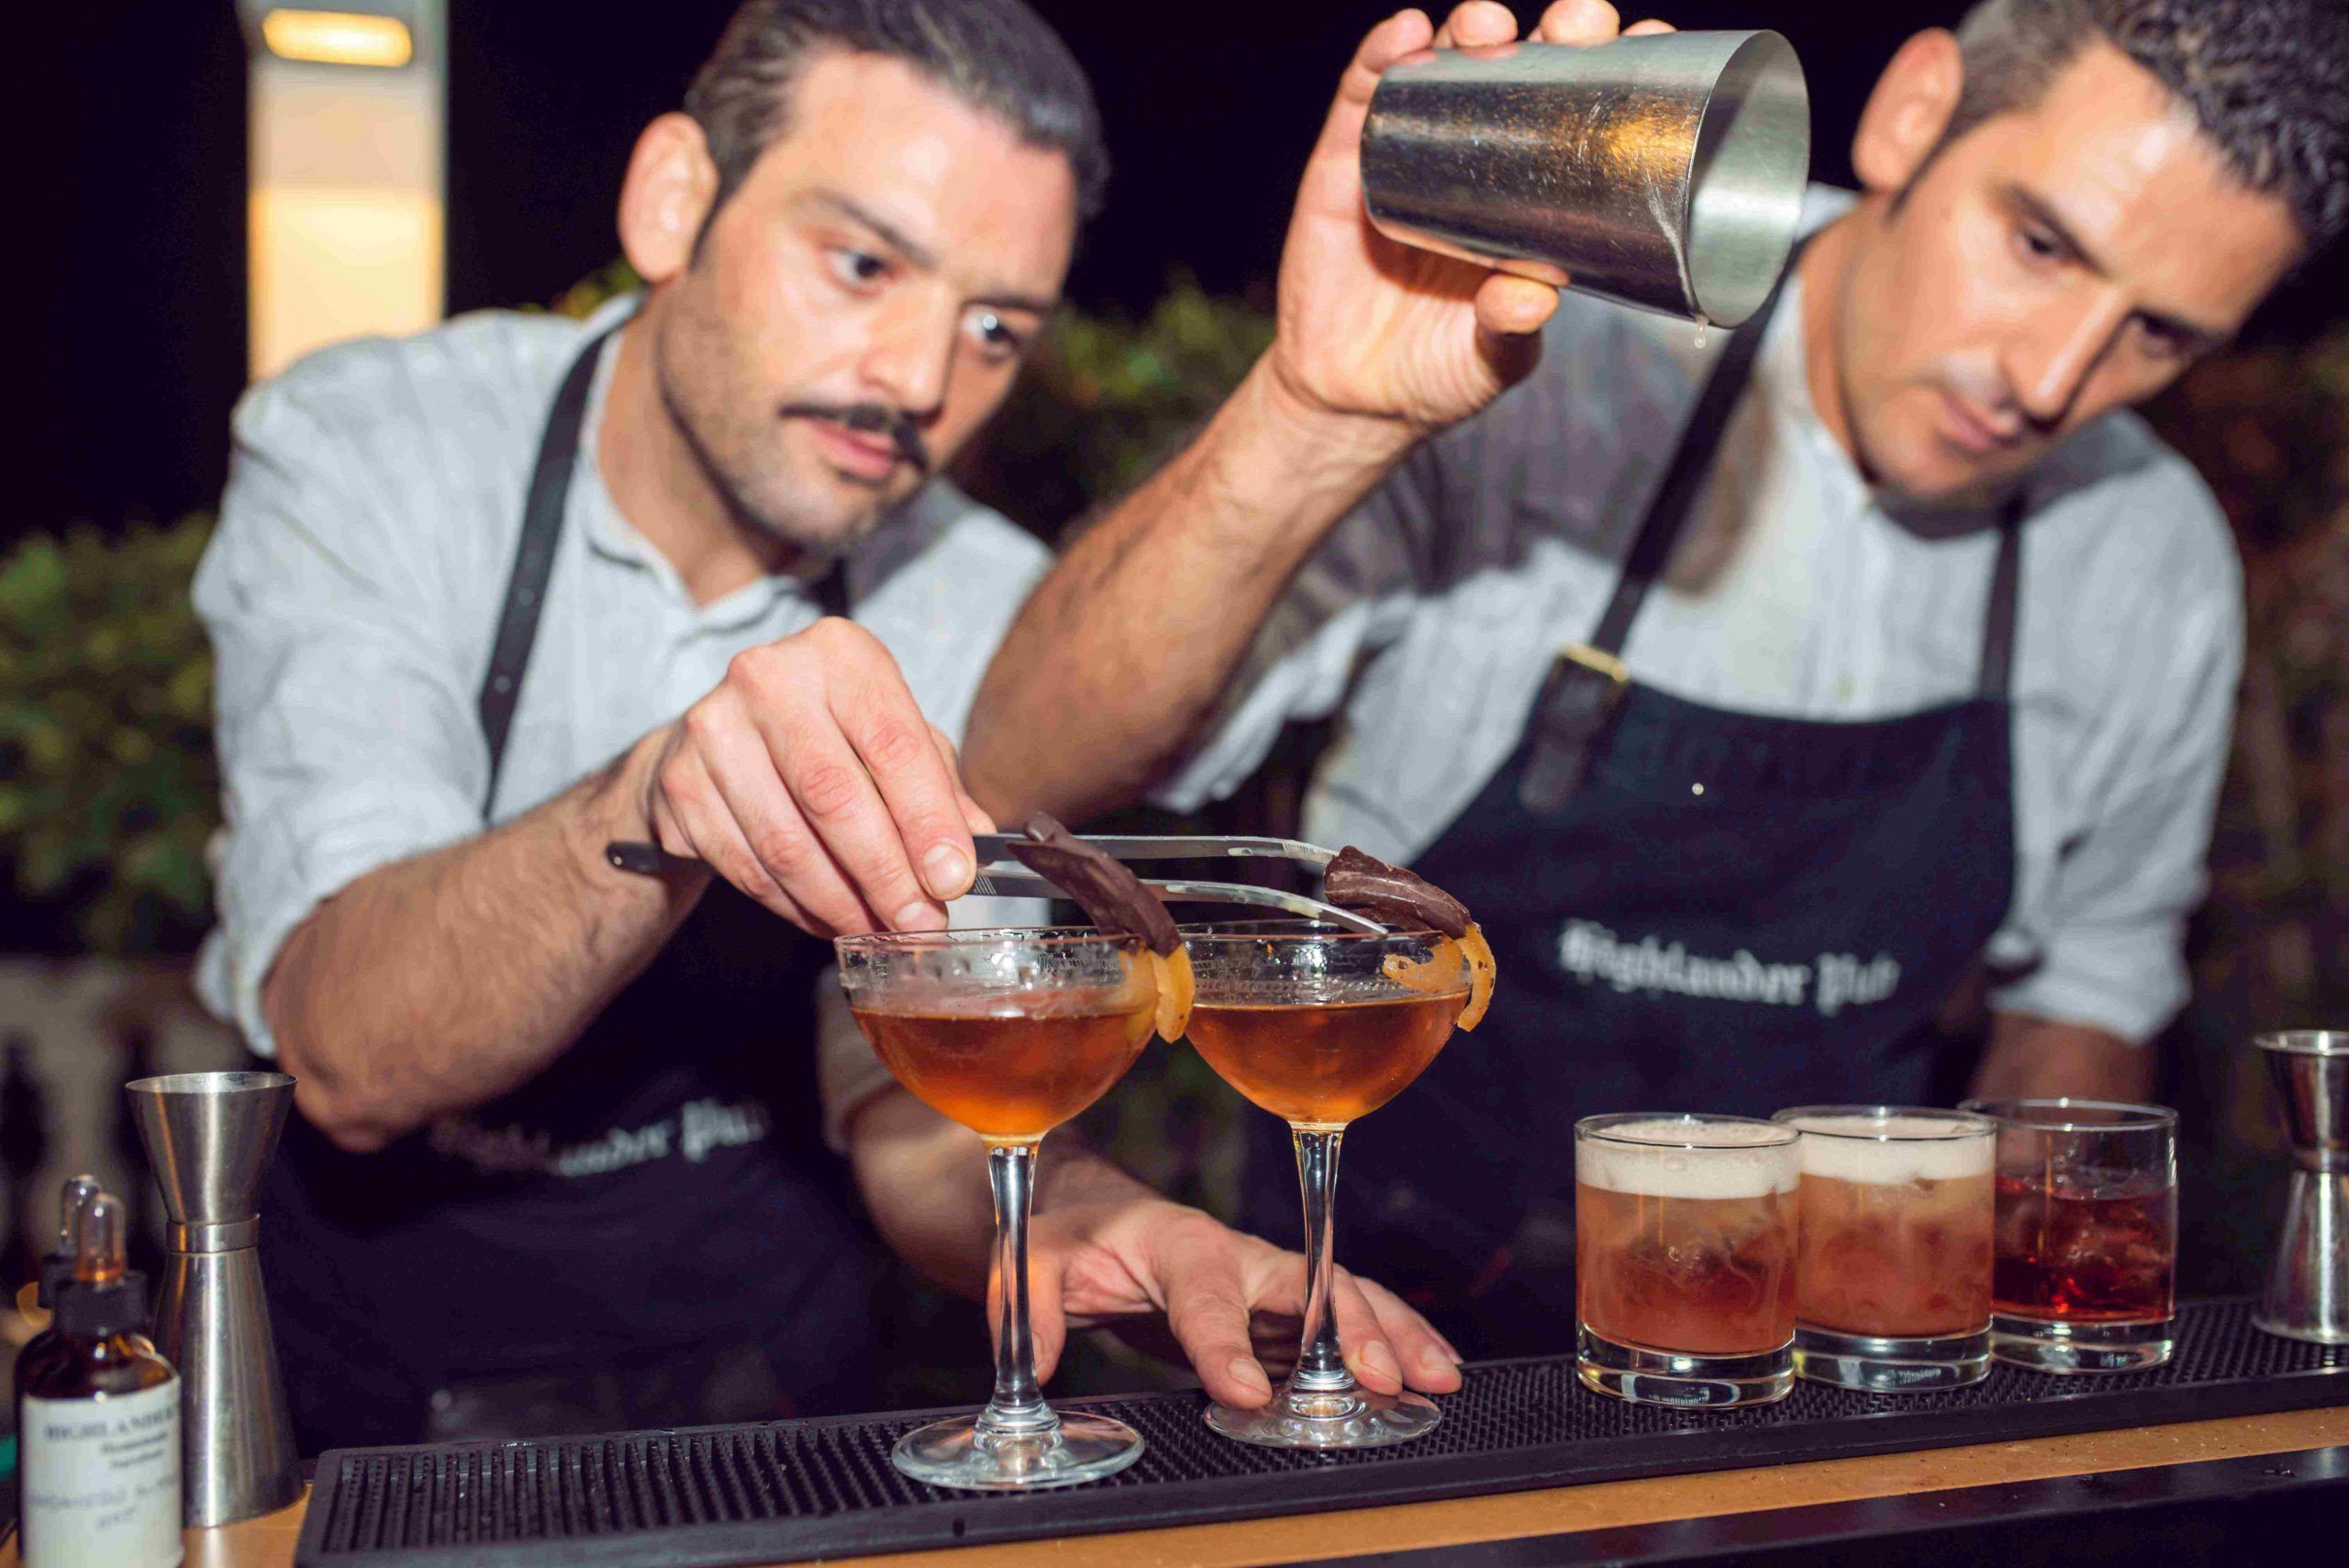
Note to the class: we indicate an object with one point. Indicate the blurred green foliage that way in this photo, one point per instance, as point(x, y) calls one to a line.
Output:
point(2269, 430)
point(108, 788)
point(1107, 399)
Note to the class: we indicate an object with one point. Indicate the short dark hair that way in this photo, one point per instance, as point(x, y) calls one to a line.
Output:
point(996, 55)
point(2266, 79)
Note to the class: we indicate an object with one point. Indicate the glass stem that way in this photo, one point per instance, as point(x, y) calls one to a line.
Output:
point(1018, 1408)
point(1321, 1365)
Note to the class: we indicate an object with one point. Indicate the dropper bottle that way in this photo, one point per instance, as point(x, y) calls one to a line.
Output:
point(57, 1263)
point(98, 1418)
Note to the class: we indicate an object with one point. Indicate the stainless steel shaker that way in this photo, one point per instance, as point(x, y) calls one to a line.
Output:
point(2308, 1288)
point(1665, 171)
point(209, 1137)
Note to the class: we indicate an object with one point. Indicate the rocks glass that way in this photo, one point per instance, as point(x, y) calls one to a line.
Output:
point(1685, 1237)
point(1893, 1290)
point(2087, 1234)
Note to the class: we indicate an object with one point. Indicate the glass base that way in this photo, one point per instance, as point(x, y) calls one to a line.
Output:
point(1669, 1377)
point(1351, 1417)
point(2046, 1346)
point(1884, 1365)
point(1077, 1447)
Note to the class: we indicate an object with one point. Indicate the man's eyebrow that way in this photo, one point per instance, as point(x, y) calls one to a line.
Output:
point(848, 207)
point(2042, 212)
point(1027, 302)
point(920, 255)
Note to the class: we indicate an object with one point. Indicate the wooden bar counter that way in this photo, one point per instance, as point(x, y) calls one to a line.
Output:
point(2010, 1483)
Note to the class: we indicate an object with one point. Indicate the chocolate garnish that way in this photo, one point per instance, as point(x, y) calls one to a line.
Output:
point(1356, 881)
point(1110, 894)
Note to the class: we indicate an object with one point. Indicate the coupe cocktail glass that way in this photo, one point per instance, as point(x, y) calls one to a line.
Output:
point(2085, 1276)
point(1010, 1033)
point(1685, 1231)
point(1319, 1026)
point(1892, 1290)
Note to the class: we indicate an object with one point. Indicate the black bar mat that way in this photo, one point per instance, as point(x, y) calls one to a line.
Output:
point(722, 1497)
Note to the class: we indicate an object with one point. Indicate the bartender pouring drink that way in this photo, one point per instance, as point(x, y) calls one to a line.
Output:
point(1926, 687)
point(560, 1158)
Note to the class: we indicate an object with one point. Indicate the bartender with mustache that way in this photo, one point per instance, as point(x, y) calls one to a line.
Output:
point(492, 598)
point(1757, 697)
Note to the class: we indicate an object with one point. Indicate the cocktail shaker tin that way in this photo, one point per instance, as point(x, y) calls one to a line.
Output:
point(1663, 170)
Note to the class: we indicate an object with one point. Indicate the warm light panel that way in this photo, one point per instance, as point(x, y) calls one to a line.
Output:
point(329, 264)
point(338, 37)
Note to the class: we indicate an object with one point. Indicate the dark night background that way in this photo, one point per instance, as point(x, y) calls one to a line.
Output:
point(139, 324)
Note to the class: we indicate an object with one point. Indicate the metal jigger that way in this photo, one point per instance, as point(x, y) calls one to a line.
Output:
point(1665, 171)
point(2307, 1293)
point(209, 1137)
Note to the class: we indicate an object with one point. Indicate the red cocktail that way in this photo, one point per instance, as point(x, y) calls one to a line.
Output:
point(2086, 1239)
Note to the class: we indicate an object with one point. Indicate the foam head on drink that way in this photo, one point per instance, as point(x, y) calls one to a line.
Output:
point(1895, 1223)
point(1896, 1150)
point(1685, 1234)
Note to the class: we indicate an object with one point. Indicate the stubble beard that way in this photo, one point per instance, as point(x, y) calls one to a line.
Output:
point(726, 436)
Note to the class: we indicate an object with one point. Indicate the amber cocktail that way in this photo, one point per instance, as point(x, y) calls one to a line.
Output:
point(1892, 1287)
point(1324, 1066)
point(1685, 1235)
point(1010, 1076)
point(1010, 1033)
point(1319, 1026)
point(2085, 1234)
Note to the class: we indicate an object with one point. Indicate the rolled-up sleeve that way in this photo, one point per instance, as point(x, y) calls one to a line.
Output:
point(2111, 951)
point(345, 728)
point(1347, 600)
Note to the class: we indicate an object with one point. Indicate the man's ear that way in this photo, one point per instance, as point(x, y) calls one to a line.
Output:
point(1908, 111)
point(666, 197)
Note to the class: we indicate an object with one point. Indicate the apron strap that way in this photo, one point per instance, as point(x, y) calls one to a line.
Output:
point(1692, 461)
point(1587, 680)
point(1999, 619)
point(526, 585)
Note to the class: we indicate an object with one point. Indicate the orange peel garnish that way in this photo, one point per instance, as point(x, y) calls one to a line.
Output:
point(1174, 989)
point(1144, 1017)
point(1482, 973)
point(1438, 974)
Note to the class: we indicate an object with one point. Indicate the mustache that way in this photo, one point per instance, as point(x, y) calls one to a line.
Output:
point(870, 419)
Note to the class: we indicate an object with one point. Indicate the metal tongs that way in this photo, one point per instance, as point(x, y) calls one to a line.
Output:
point(1002, 875)
point(1005, 875)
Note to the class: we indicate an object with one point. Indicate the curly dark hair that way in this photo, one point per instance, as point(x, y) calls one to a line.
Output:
point(2266, 79)
point(996, 54)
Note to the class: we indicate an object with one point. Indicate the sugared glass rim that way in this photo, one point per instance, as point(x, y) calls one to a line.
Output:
point(1298, 931)
point(2128, 1116)
point(2305, 1042)
point(1976, 1125)
point(1597, 1126)
point(984, 936)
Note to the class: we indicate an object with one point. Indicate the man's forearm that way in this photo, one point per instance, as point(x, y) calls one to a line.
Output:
point(443, 982)
point(2033, 1058)
point(1122, 651)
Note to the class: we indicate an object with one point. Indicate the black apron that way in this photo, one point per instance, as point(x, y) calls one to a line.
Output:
point(650, 1232)
point(1692, 909)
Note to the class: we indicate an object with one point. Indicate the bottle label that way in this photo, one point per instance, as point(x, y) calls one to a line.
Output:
point(101, 1480)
